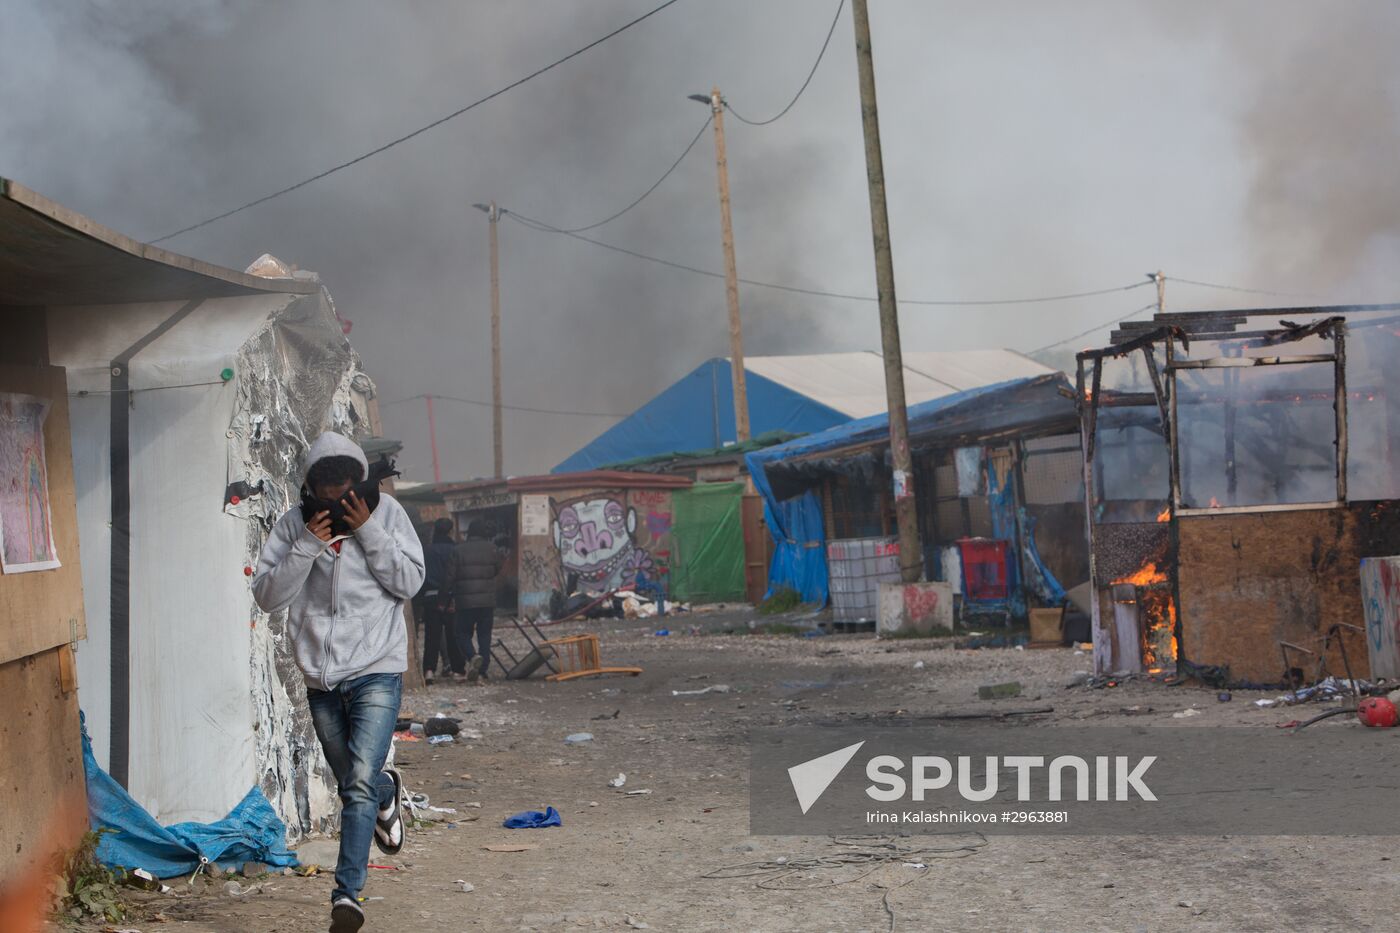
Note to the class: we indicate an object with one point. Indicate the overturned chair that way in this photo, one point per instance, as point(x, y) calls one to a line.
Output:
point(567, 658)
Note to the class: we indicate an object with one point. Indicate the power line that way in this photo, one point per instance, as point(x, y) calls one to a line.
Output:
point(782, 113)
point(665, 175)
point(542, 227)
point(1118, 319)
point(1234, 288)
point(540, 411)
point(422, 129)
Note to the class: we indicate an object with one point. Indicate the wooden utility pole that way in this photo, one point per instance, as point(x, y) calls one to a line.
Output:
point(731, 277)
point(432, 439)
point(494, 214)
point(906, 513)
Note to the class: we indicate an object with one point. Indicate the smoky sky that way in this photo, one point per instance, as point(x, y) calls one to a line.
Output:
point(1029, 149)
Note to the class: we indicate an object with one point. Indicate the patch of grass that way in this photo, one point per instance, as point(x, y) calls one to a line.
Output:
point(90, 888)
point(783, 600)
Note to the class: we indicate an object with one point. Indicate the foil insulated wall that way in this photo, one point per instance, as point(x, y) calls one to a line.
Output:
point(297, 376)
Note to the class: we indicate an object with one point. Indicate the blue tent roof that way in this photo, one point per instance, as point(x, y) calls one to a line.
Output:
point(976, 414)
point(697, 413)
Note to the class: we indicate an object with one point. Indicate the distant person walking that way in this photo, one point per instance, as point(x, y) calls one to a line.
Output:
point(471, 576)
point(439, 639)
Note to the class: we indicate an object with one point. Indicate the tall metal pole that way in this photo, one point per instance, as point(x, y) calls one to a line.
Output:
point(731, 277)
point(499, 462)
point(432, 439)
point(1161, 281)
point(906, 514)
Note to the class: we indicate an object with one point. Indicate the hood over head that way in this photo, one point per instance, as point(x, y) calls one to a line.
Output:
point(331, 444)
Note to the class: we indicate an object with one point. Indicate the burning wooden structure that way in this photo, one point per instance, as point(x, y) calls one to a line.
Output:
point(1238, 465)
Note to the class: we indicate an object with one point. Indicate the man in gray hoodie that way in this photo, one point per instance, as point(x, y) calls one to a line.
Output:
point(343, 573)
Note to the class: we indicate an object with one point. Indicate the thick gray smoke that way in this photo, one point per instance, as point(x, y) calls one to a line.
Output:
point(1324, 202)
point(1030, 149)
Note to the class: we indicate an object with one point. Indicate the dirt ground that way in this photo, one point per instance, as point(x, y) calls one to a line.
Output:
point(623, 862)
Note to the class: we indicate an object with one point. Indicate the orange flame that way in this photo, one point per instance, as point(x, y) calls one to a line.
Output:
point(1214, 502)
point(1158, 614)
point(1165, 515)
point(1147, 576)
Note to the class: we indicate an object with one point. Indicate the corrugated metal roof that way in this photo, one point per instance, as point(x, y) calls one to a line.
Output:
point(583, 479)
point(854, 383)
point(50, 255)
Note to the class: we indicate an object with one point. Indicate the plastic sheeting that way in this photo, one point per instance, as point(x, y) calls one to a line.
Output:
point(1045, 402)
point(216, 705)
point(707, 540)
point(799, 543)
point(132, 839)
point(784, 474)
point(697, 413)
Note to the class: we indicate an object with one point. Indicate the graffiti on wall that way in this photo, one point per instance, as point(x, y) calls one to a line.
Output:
point(538, 573)
point(1380, 598)
point(596, 540)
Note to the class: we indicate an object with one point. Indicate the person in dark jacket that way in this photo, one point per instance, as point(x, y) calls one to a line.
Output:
point(438, 637)
point(471, 576)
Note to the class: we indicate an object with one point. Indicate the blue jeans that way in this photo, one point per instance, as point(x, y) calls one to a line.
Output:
point(355, 723)
point(475, 620)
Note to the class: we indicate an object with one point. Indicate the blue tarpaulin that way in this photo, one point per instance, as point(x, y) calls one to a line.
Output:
point(697, 413)
point(252, 832)
point(785, 474)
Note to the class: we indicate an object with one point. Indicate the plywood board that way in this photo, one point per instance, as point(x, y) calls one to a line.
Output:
point(1250, 581)
point(41, 763)
point(44, 609)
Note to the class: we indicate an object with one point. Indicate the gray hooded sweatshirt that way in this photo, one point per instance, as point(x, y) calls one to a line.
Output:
point(345, 615)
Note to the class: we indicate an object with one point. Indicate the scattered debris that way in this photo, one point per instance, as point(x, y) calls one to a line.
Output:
point(466, 887)
point(1186, 713)
point(1079, 679)
point(578, 738)
point(442, 725)
point(999, 691)
point(534, 819)
point(602, 716)
point(716, 688)
point(440, 740)
point(636, 924)
point(618, 781)
point(524, 847)
point(918, 665)
point(1329, 689)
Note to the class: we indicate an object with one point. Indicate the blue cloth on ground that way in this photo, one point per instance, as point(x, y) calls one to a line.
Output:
point(534, 819)
point(252, 832)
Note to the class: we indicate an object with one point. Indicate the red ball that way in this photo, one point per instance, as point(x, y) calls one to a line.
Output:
point(234, 500)
point(247, 571)
point(1378, 711)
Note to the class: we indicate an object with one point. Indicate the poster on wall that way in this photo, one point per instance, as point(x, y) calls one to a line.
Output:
point(26, 527)
point(534, 516)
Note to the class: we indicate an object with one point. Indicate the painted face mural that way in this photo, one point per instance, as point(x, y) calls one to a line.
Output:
point(594, 538)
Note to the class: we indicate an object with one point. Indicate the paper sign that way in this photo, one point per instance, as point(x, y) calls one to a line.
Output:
point(534, 516)
point(26, 528)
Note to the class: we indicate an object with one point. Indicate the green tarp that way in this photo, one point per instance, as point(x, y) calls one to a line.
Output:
point(707, 540)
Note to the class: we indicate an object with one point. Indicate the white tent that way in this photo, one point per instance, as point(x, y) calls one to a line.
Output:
point(221, 404)
point(189, 385)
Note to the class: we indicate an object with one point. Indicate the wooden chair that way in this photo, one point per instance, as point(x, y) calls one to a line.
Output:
point(578, 657)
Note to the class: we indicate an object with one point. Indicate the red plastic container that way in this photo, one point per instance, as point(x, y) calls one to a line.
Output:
point(984, 568)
